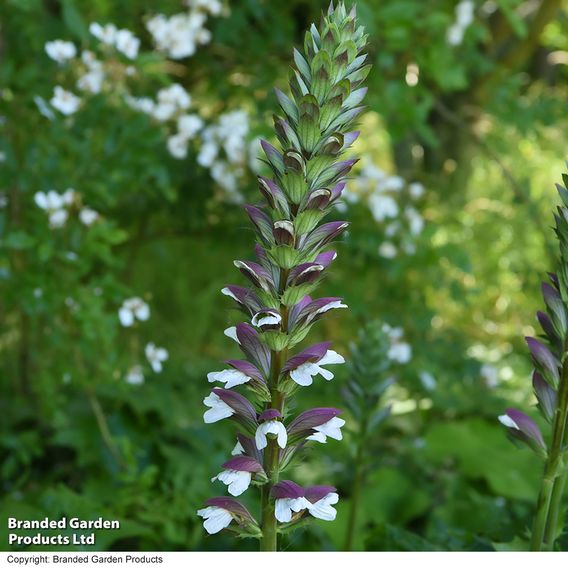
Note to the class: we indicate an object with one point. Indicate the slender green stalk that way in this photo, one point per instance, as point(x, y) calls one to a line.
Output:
point(552, 488)
point(554, 510)
point(358, 479)
point(269, 540)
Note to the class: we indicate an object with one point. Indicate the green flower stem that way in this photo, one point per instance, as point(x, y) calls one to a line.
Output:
point(269, 540)
point(552, 487)
point(553, 511)
point(356, 488)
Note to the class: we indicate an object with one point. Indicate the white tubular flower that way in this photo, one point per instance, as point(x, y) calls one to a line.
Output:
point(237, 482)
point(57, 219)
point(217, 409)
point(331, 429)
point(284, 507)
point(266, 318)
point(105, 34)
point(50, 201)
point(135, 376)
point(88, 216)
point(216, 519)
point(133, 309)
point(177, 146)
point(231, 378)
point(323, 509)
point(303, 375)
point(64, 101)
point(60, 51)
point(274, 427)
point(156, 356)
point(91, 82)
point(127, 43)
point(382, 207)
point(400, 352)
point(388, 250)
point(189, 125)
point(337, 304)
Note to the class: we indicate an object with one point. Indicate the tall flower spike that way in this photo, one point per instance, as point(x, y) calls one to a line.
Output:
point(308, 171)
point(550, 384)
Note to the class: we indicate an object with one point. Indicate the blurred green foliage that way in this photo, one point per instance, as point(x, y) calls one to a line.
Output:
point(481, 124)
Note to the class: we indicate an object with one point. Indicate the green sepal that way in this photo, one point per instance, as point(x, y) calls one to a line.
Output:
point(309, 132)
point(276, 340)
point(307, 220)
point(298, 335)
point(330, 111)
point(360, 75)
point(287, 386)
point(268, 300)
point(321, 84)
point(341, 89)
point(302, 65)
point(316, 166)
point(286, 104)
point(294, 186)
point(284, 256)
point(294, 294)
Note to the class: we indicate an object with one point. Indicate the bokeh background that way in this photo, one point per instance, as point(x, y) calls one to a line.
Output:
point(450, 207)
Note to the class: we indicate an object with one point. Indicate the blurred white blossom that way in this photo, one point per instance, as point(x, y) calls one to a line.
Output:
point(388, 250)
point(399, 351)
point(88, 216)
point(64, 101)
point(133, 309)
point(156, 356)
point(464, 14)
point(134, 376)
point(60, 50)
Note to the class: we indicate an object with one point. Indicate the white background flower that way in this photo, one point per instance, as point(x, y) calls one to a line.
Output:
point(60, 50)
point(156, 356)
point(133, 309)
point(64, 101)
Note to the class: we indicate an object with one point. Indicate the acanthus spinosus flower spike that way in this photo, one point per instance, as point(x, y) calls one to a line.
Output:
point(550, 385)
point(314, 129)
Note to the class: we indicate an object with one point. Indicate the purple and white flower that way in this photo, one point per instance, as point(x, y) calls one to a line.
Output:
point(237, 474)
point(221, 511)
point(289, 498)
point(309, 363)
point(270, 425)
point(329, 429)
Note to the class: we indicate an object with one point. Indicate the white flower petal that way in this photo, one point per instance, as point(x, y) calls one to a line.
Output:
point(238, 449)
point(126, 317)
point(237, 482)
point(331, 358)
point(506, 420)
point(231, 378)
point(303, 374)
point(216, 519)
point(271, 427)
point(218, 409)
point(323, 509)
point(231, 332)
